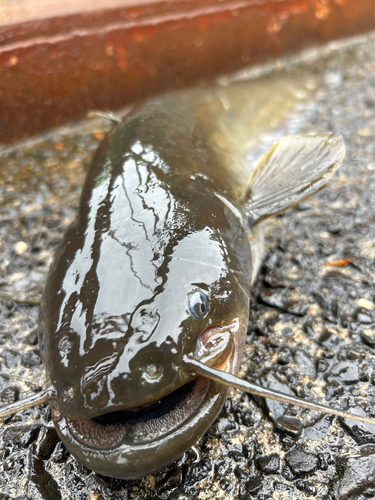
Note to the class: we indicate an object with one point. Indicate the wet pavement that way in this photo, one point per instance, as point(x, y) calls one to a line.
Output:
point(311, 330)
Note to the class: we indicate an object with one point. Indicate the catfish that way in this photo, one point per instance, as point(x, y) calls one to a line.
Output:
point(144, 315)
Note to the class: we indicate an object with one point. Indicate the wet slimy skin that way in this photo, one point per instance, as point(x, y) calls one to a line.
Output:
point(158, 266)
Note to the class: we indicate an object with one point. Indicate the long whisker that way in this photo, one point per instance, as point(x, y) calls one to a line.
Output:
point(35, 399)
point(243, 385)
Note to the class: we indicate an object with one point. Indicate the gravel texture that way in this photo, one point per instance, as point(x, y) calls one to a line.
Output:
point(311, 329)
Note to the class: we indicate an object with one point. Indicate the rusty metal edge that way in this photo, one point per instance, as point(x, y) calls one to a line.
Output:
point(56, 66)
point(17, 11)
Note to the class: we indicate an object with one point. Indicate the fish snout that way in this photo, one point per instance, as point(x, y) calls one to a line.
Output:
point(155, 374)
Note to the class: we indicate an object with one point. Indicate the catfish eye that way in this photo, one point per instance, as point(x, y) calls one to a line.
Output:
point(199, 305)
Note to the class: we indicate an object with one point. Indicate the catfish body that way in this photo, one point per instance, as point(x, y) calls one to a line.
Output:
point(159, 264)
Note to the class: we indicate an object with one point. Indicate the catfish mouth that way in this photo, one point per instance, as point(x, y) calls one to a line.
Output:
point(138, 425)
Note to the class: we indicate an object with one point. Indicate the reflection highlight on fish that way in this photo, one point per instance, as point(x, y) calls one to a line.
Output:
point(144, 315)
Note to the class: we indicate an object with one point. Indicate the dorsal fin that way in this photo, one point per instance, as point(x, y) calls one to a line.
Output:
point(293, 169)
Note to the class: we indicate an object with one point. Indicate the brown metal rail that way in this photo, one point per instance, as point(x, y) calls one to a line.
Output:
point(59, 59)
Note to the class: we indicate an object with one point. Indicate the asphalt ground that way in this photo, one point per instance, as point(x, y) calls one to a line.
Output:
point(311, 329)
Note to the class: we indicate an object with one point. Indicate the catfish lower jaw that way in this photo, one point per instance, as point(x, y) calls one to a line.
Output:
point(129, 446)
point(143, 423)
point(130, 460)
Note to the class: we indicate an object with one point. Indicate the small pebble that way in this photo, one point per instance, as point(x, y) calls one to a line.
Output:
point(366, 304)
point(269, 464)
point(345, 372)
point(358, 478)
point(362, 432)
point(288, 425)
point(20, 247)
point(301, 462)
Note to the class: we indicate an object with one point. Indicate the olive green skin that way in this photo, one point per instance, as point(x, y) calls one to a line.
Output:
point(160, 217)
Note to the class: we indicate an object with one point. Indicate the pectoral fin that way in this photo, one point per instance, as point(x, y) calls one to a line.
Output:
point(293, 169)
